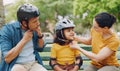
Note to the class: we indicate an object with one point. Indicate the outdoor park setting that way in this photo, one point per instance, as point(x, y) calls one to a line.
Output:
point(80, 12)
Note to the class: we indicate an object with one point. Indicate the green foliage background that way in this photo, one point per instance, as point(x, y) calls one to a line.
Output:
point(75, 9)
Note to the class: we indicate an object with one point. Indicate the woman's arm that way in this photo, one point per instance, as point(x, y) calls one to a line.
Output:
point(102, 54)
point(83, 40)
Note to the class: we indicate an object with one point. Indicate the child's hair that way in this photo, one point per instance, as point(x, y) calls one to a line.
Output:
point(58, 38)
point(59, 28)
point(105, 20)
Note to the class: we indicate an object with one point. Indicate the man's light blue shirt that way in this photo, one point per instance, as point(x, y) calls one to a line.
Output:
point(10, 35)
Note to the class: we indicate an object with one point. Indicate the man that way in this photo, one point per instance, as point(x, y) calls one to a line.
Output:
point(20, 42)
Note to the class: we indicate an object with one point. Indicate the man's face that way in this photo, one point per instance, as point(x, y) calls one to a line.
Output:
point(34, 23)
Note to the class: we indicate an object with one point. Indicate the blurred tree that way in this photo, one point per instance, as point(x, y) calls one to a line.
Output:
point(80, 11)
point(92, 7)
point(11, 10)
point(49, 9)
point(2, 16)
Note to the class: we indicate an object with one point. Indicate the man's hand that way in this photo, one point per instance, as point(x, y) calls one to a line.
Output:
point(14, 52)
point(38, 31)
point(39, 34)
point(28, 35)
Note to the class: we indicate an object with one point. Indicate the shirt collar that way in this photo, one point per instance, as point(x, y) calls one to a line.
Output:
point(17, 24)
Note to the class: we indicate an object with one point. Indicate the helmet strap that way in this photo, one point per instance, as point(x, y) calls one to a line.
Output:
point(26, 22)
point(65, 40)
point(62, 34)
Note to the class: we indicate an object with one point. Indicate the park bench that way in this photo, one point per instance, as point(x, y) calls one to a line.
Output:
point(45, 55)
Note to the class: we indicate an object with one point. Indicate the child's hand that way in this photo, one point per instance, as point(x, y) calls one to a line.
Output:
point(64, 70)
point(74, 69)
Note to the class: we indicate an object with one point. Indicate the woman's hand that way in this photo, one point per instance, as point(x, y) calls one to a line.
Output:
point(74, 45)
point(77, 38)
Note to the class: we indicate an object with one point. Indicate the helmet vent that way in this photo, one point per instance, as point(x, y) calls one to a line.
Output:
point(27, 11)
point(25, 6)
point(61, 25)
point(64, 22)
point(68, 21)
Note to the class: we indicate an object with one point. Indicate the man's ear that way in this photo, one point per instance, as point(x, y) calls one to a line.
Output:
point(24, 23)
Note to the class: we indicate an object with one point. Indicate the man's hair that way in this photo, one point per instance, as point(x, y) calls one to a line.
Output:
point(26, 12)
point(105, 20)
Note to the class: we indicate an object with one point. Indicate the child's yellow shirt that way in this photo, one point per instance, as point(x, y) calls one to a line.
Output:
point(64, 54)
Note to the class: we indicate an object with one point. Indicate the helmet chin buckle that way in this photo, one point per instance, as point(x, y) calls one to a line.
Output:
point(64, 40)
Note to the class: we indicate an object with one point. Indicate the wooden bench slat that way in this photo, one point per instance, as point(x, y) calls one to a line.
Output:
point(47, 49)
point(46, 58)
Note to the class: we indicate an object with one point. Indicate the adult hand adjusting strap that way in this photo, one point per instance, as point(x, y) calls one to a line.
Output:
point(41, 36)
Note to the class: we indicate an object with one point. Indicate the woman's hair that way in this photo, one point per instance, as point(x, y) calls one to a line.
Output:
point(105, 20)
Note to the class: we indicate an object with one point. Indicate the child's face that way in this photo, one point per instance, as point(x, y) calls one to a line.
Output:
point(69, 33)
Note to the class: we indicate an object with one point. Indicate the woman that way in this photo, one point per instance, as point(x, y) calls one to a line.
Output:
point(104, 44)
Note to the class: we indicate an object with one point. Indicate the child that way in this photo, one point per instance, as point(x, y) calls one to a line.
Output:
point(63, 58)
